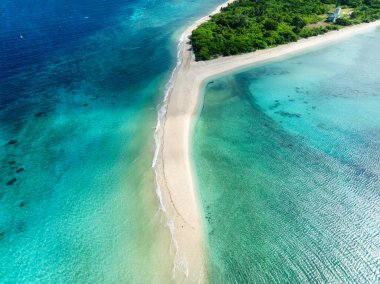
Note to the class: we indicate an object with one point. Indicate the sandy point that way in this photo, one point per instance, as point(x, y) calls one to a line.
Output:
point(174, 164)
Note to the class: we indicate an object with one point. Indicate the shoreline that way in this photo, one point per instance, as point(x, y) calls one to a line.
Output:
point(177, 197)
point(176, 183)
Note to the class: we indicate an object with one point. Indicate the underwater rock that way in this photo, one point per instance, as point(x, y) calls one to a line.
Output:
point(321, 126)
point(288, 114)
point(275, 105)
point(39, 114)
point(11, 182)
point(21, 226)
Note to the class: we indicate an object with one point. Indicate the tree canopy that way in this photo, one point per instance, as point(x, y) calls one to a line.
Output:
point(247, 25)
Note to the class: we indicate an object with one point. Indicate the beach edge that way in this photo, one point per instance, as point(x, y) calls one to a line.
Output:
point(175, 174)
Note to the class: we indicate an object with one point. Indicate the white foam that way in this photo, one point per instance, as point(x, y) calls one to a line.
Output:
point(159, 195)
point(163, 107)
point(178, 265)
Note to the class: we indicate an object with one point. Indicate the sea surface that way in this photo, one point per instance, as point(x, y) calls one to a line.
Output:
point(80, 82)
point(287, 156)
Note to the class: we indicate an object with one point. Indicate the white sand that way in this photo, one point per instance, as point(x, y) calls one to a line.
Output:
point(175, 174)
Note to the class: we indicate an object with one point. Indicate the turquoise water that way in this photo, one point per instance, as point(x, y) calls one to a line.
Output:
point(79, 86)
point(288, 162)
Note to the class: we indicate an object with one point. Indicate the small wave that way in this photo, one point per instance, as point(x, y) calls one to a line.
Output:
point(159, 195)
point(158, 133)
point(163, 107)
point(179, 263)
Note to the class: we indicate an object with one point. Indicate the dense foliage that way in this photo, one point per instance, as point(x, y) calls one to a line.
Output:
point(248, 25)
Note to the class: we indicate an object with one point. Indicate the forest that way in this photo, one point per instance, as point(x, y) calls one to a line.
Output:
point(248, 25)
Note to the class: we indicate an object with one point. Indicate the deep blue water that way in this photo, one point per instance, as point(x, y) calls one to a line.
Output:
point(79, 86)
point(30, 33)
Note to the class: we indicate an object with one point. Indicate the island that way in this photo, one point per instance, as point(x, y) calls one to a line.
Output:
point(208, 39)
point(248, 25)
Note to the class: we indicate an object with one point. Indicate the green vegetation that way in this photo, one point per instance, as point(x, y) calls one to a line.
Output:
point(247, 25)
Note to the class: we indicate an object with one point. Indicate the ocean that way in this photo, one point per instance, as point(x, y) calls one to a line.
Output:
point(80, 85)
point(287, 156)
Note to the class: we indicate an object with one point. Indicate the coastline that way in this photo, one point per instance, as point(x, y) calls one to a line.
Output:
point(173, 164)
point(175, 190)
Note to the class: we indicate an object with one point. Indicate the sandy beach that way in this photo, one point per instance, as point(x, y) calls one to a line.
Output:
point(175, 172)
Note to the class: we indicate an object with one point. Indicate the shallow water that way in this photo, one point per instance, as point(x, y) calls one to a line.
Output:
point(79, 86)
point(287, 156)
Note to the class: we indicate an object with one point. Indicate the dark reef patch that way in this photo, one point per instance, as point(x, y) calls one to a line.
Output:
point(275, 105)
point(288, 114)
point(39, 114)
point(21, 226)
point(11, 182)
